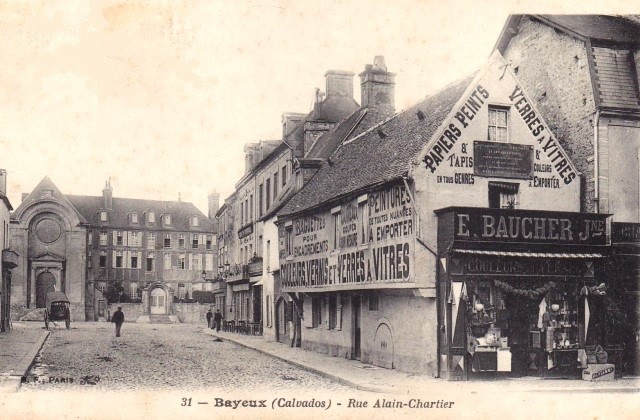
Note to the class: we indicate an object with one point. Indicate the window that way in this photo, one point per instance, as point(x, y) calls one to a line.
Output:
point(90, 238)
point(89, 262)
point(268, 259)
point(118, 261)
point(151, 217)
point(134, 290)
point(167, 261)
point(150, 264)
point(208, 262)
point(151, 240)
point(103, 259)
point(498, 124)
point(209, 241)
point(134, 217)
point(167, 240)
point(316, 312)
point(103, 238)
point(267, 194)
point(119, 240)
point(503, 195)
point(195, 241)
point(194, 221)
point(103, 216)
point(284, 175)
point(197, 263)
point(251, 207)
point(363, 220)
point(374, 302)
point(181, 241)
point(336, 226)
point(181, 262)
point(333, 311)
point(135, 239)
point(260, 199)
point(241, 214)
point(167, 220)
point(275, 185)
point(246, 210)
point(134, 261)
point(288, 240)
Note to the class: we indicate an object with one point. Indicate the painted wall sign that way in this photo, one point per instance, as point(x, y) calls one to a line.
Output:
point(504, 225)
point(496, 266)
point(625, 232)
point(245, 231)
point(372, 243)
point(503, 160)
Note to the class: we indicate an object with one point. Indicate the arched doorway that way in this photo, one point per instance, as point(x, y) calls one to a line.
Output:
point(45, 283)
point(158, 304)
point(383, 347)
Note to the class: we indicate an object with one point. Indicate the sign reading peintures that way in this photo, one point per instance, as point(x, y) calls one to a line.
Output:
point(362, 242)
point(504, 225)
point(503, 160)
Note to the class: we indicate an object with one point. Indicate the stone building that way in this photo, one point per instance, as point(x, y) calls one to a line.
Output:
point(369, 250)
point(9, 257)
point(583, 75)
point(91, 246)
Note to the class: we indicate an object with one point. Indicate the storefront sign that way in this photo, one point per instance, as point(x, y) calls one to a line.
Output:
point(503, 160)
point(245, 231)
point(504, 225)
point(240, 287)
point(625, 232)
point(359, 242)
point(496, 266)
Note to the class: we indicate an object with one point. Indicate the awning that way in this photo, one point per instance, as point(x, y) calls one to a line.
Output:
point(528, 254)
point(258, 283)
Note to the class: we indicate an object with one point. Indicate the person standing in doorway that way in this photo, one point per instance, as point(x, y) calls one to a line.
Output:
point(217, 319)
point(118, 319)
point(209, 316)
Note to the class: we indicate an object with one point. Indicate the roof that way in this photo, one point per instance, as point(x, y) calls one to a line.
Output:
point(181, 211)
point(379, 155)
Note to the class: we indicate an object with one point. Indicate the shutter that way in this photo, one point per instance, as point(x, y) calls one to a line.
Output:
point(338, 312)
point(325, 302)
point(113, 260)
point(308, 314)
point(140, 259)
point(115, 237)
point(127, 259)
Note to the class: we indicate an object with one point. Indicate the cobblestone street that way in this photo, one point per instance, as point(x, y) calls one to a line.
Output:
point(160, 357)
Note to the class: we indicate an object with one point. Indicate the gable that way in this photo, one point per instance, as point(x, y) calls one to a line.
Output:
point(462, 160)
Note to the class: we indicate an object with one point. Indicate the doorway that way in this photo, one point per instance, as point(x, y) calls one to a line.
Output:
point(355, 307)
point(45, 283)
point(158, 306)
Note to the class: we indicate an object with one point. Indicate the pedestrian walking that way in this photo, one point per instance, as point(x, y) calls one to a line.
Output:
point(209, 317)
point(217, 319)
point(118, 319)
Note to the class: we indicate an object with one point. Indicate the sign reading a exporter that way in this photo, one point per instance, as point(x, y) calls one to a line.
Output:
point(503, 160)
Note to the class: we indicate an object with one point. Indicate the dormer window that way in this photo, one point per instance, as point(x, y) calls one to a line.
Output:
point(151, 217)
point(134, 217)
point(194, 221)
point(167, 219)
point(103, 216)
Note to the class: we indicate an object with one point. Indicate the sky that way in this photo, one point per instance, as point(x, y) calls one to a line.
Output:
point(161, 96)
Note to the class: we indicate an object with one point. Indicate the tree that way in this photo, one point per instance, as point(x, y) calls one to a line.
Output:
point(115, 293)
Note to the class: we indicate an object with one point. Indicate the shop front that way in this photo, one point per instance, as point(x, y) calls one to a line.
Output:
point(521, 293)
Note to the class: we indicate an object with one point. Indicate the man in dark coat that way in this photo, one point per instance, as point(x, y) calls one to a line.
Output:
point(118, 319)
point(217, 319)
point(209, 316)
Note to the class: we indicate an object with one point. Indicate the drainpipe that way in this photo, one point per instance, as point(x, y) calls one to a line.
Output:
point(596, 163)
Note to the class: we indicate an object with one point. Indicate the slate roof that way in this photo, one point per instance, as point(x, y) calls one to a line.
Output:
point(601, 27)
point(118, 217)
point(371, 160)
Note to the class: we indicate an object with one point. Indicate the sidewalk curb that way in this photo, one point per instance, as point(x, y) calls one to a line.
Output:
point(307, 367)
point(14, 380)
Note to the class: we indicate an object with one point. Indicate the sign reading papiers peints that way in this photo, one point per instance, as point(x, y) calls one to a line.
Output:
point(364, 241)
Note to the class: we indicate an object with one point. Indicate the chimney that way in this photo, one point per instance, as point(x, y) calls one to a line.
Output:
point(3, 182)
point(339, 83)
point(214, 204)
point(107, 195)
point(251, 151)
point(290, 121)
point(377, 85)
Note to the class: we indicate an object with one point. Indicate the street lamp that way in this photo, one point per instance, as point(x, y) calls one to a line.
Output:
point(204, 275)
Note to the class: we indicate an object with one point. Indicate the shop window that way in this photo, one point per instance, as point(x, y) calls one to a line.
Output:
point(316, 312)
point(337, 217)
point(103, 259)
point(498, 124)
point(503, 195)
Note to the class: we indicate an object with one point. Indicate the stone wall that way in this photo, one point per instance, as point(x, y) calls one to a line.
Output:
point(191, 313)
